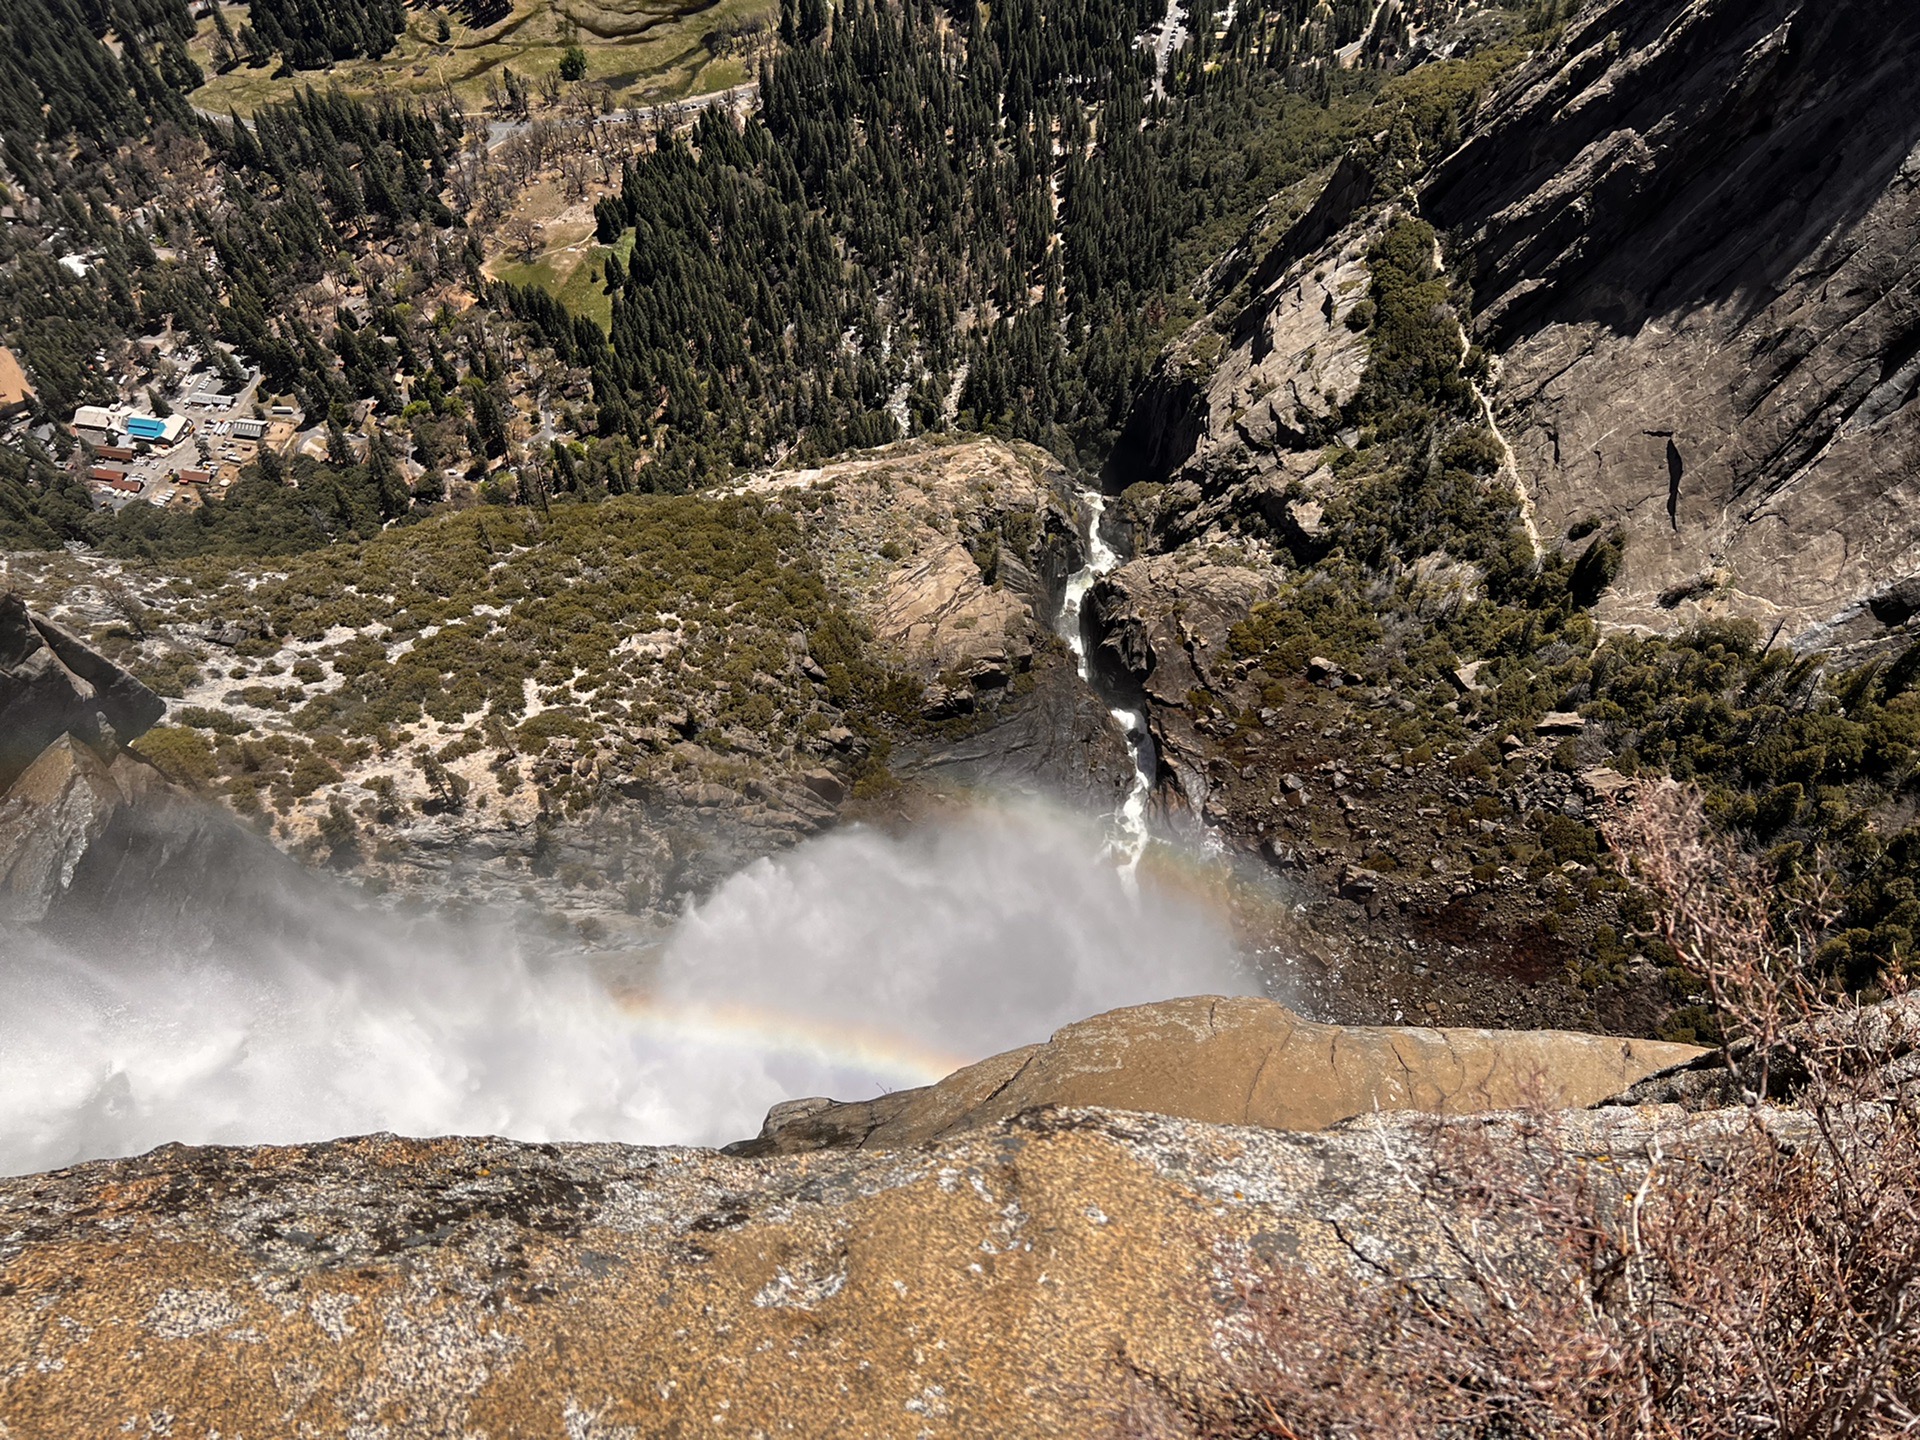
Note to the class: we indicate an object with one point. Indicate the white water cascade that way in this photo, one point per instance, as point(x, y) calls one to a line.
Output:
point(1130, 833)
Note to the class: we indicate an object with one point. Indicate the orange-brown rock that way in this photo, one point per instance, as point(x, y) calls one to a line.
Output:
point(1010, 1283)
point(1237, 1061)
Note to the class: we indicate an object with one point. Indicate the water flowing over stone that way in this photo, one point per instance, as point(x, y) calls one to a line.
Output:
point(1132, 834)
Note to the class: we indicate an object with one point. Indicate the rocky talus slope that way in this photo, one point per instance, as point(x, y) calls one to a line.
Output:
point(1691, 236)
point(1234, 1061)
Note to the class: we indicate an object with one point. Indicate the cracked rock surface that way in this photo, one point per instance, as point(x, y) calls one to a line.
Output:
point(1692, 233)
point(1004, 1283)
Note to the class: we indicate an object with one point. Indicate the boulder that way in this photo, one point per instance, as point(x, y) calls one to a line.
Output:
point(52, 684)
point(1236, 1061)
point(1016, 1281)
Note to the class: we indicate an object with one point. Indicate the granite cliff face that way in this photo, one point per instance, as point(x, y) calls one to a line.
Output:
point(1677, 244)
point(51, 684)
point(1690, 233)
point(90, 833)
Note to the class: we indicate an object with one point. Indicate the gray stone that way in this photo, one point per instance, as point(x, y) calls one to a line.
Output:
point(51, 684)
point(999, 1283)
point(1691, 230)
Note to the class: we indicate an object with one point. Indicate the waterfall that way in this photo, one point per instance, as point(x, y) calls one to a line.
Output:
point(1130, 834)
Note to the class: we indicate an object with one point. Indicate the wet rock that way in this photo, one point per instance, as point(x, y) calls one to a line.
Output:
point(1055, 741)
point(1160, 628)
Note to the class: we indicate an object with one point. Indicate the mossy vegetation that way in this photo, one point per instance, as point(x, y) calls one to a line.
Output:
point(626, 626)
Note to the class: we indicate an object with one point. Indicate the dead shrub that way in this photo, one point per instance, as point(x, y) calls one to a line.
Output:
point(1760, 1278)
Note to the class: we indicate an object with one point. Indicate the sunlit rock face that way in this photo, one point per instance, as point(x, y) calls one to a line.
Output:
point(1236, 1061)
point(1020, 1280)
point(1690, 235)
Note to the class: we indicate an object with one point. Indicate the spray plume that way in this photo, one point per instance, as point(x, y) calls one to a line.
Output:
point(856, 962)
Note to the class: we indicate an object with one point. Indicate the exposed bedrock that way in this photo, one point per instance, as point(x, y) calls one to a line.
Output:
point(90, 833)
point(1692, 237)
point(1158, 628)
point(1234, 1061)
point(1012, 1282)
point(51, 684)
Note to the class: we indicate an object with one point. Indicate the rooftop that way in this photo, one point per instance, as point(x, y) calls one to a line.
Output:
point(15, 389)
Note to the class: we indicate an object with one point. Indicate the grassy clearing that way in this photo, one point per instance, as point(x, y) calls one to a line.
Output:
point(573, 274)
point(644, 51)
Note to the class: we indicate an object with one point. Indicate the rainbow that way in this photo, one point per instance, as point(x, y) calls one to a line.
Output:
point(861, 1047)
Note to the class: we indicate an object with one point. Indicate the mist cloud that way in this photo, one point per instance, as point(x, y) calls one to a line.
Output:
point(851, 964)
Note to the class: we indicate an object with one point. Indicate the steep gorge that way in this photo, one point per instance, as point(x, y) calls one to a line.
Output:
point(1676, 244)
point(1381, 755)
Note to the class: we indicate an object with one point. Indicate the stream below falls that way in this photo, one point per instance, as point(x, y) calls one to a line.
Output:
point(1130, 834)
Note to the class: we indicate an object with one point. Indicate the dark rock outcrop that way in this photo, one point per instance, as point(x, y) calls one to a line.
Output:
point(1057, 740)
point(52, 684)
point(1691, 234)
point(1159, 630)
point(93, 839)
point(50, 820)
